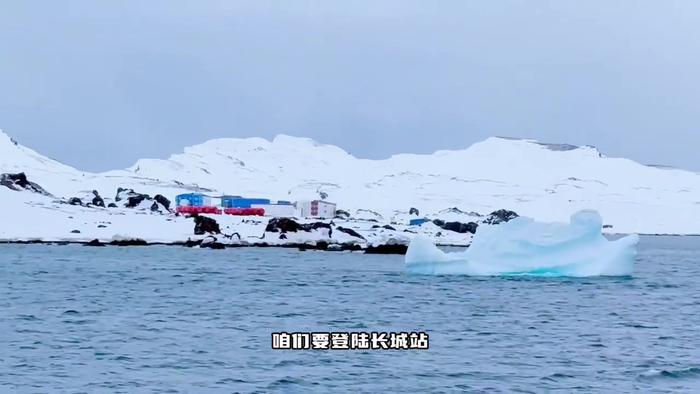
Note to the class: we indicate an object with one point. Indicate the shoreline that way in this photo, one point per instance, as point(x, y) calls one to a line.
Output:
point(320, 246)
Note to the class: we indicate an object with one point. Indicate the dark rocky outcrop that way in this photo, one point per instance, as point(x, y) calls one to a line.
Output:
point(20, 182)
point(387, 249)
point(500, 216)
point(350, 232)
point(132, 198)
point(203, 225)
point(162, 200)
point(95, 242)
point(75, 201)
point(155, 207)
point(211, 243)
point(414, 211)
point(341, 214)
point(350, 247)
point(112, 205)
point(315, 226)
point(129, 242)
point(286, 225)
point(97, 199)
point(134, 201)
point(322, 245)
point(191, 243)
point(75, 231)
point(283, 225)
point(457, 227)
point(386, 226)
point(122, 193)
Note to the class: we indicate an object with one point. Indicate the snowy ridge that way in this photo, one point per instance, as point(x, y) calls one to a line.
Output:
point(544, 181)
point(547, 182)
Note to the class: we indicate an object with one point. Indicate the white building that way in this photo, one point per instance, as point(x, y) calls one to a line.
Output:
point(316, 209)
point(277, 210)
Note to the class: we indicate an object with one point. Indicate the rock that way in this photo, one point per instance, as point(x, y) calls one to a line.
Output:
point(97, 200)
point(500, 216)
point(283, 225)
point(101, 226)
point(386, 226)
point(350, 232)
point(75, 201)
point(20, 182)
point(341, 214)
point(134, 201)
point(350, 246)
point(315, 226)
point(162, 201)
point(286, 225)
point(122, 193)
point(414, 211)
point(112, 205)
point(203, 225)
point(129, 242)
point(282, 236)
point(155, 207)
point(457, 227)
point(95, 242)
point(321, 245)
point(211, 243)
point(75, 231)
point(190, 243)
point(208, 239)
point(387, 249)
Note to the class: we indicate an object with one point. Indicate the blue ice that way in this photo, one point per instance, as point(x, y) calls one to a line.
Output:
point(525, 247)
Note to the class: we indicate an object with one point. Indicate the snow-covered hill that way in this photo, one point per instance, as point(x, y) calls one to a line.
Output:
point(545, 181)
point(548, 182)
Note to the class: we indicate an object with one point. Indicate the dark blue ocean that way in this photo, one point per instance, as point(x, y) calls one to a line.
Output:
point(170, 319)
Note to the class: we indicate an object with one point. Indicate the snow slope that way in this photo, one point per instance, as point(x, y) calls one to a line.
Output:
point(543, 181)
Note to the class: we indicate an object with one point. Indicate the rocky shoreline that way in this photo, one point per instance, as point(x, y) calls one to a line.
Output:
point(132, 218)
point(214, 244)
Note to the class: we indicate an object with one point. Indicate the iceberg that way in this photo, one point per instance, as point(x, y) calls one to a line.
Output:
point(525, 247)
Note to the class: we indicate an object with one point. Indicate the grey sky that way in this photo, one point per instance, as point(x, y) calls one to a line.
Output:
point(99, 84)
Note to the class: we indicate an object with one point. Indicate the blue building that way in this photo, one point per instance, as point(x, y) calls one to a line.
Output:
point(241, 202)
point(418, 222)
point(192, 200)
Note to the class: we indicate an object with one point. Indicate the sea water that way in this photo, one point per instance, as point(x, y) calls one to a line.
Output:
point(173, 319)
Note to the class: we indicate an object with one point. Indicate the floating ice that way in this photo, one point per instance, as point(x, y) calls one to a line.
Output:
point(525, 247)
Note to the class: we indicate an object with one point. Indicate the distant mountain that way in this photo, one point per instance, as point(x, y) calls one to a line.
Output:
point(544, 181)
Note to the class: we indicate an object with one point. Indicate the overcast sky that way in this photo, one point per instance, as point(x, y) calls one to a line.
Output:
point(99, 84)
